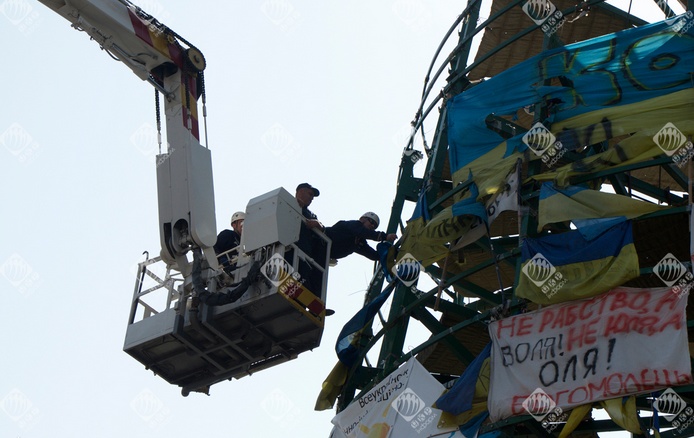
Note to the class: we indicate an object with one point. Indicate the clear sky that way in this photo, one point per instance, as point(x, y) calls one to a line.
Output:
point(297, 91)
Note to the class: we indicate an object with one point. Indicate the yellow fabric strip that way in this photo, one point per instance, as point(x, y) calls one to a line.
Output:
point(575, 417)
point(590, 204)
point(332, 386)
point(426, 242)
point(623, 412)
point(641, 120)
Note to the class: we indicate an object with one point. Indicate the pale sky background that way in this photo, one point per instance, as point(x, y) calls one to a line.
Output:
point(297, 91)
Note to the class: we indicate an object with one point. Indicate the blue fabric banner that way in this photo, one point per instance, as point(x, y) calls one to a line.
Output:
point(609, 71)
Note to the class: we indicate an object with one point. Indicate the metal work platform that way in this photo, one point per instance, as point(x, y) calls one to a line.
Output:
point(194, 345)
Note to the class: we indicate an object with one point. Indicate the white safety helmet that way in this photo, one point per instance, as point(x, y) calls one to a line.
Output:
point(238, 216)
point(373, 216)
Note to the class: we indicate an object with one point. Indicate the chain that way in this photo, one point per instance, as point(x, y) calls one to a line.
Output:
point(204, 106)
point(187, 105)
point(158, 110)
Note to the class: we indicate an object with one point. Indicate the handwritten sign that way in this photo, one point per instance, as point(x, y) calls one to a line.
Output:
point(400, 405)
point(625, 341)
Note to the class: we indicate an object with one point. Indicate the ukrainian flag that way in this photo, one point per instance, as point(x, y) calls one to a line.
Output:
point(348, 350)
point(567, 266)
point(613, 80)
point(575, 203)
point(467, 399)
point(427, 241)
point(347, 346)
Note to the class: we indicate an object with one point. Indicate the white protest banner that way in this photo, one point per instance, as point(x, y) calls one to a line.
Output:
point(506, 199)
point(626, 341)
point(400, 405)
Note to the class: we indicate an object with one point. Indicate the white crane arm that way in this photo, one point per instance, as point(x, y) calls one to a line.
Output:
point(158, 55)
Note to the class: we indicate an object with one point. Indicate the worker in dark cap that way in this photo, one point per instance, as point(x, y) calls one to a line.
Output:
point(350, 236)
point(308, 241)
point(305, 193)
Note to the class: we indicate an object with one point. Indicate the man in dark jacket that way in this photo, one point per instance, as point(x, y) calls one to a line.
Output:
point(308, 242)
point(228, 240)
point(350, 236)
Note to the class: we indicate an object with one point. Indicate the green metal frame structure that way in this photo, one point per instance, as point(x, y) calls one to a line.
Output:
point(437, 186)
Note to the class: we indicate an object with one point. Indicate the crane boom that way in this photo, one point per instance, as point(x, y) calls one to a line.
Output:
point(130, 34)
point(174, 67)
point(207, 324)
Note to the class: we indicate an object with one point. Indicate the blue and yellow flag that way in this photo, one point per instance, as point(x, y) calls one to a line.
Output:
point(611, 85)
point(460, 397)
point(567, 266)
point(427, 241)
point(574, 203)
point(347, 346)
point(348, 349)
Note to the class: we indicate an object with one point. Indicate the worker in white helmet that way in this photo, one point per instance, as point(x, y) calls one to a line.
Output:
point(350, 236)
point(229, 240)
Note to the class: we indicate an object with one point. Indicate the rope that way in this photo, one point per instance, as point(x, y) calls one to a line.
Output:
point(442, 282)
